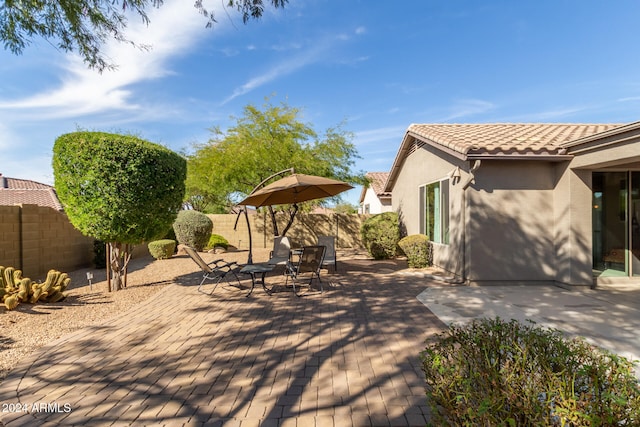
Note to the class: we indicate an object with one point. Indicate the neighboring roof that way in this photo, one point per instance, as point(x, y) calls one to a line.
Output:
point(21, 184)
point(21, 191)
point(377, 183)
point(496, 140)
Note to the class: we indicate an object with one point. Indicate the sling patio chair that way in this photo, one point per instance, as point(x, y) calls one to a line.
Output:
point(281, 252)
point(217, 270)
point(309, 263)
point(330, 254)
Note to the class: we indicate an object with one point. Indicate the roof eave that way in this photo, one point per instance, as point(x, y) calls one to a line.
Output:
point(601, 135)
point(547, 157)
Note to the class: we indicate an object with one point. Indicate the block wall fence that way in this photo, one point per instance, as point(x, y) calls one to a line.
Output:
point(304, 231)
point(36, 239)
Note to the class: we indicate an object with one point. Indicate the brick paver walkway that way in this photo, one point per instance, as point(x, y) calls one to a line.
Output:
point(348, 357)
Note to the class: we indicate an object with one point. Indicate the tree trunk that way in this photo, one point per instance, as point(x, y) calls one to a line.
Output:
point(274, 223)
point(119, 256)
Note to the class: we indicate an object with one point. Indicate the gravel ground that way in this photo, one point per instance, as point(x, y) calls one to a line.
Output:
point(30, 326)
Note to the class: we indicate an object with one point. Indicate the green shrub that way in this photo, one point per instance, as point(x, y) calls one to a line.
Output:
point(418, 250)
point(380, 234)
point(497, 373)
point(217, 240)
point(162, 249)
point(193, 229)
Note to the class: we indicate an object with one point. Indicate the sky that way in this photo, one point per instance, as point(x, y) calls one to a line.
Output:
point(376, 65)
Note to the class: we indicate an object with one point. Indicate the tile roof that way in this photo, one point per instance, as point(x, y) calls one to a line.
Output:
point(378, 180)
point(21, 184)
point(21, 191)
point(505, 138)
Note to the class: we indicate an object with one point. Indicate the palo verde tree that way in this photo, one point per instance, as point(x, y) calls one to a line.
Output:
point(119, 189)
point(263, 142)
point(83, 26)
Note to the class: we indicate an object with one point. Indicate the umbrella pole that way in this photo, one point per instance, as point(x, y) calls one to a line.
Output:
point(250, 258)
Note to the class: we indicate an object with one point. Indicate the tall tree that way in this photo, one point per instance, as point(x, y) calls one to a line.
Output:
point(263, 142)
point(118, 189)
point(83, 26)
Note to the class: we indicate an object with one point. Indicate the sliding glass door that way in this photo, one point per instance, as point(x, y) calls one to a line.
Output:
point(616, 232)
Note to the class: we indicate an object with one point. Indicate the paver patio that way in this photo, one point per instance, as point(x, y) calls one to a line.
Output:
point(347, 357)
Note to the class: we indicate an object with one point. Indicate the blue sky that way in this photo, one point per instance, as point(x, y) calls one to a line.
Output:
point(378, 64)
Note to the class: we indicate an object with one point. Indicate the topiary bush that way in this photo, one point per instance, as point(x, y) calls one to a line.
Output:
point(418, 250)
point(380, 235)
point(162, 249)
point(193, 229)
point(217, 240)
point(497, 373)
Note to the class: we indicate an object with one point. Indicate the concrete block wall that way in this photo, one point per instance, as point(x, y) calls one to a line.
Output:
point(10, 241)
point(36, 239)
point(304, 231)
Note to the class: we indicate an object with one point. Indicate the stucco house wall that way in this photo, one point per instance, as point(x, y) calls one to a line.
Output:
point(524, 212)
point(424, 166)
point(376, 205)
point(511, 222)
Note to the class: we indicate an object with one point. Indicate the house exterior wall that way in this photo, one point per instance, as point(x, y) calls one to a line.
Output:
point(572, 201)
point(424, 166)
point(511, 230)
point(376, 205)
point(506, 231)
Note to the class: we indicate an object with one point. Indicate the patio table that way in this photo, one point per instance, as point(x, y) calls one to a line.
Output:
point(257, 269)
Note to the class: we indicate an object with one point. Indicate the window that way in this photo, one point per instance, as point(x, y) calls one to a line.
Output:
point(434, 211)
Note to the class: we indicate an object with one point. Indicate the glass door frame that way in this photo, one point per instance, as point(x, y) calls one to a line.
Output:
point(628, 214)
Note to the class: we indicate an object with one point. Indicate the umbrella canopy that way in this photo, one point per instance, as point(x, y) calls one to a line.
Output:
point(295, 188)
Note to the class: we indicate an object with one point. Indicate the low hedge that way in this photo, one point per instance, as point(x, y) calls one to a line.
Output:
point(497, 373)
point(162, 249)
point(217, 240)
point(418, 250)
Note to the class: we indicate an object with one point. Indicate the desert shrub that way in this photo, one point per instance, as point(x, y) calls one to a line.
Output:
point(162, 249)
point(418, 250)
point(498, 373)
point(380, 234)
point(217, 240)
point(193, 229)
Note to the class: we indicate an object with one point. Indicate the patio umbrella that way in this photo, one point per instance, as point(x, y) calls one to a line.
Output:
point(295, 188)
point(291, 189)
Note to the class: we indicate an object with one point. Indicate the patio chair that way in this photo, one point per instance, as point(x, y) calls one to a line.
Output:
point(281, 251)
point(216, 271)
point(309, 262)
point(330, 254)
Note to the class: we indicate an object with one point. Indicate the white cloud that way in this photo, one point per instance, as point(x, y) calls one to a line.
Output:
point(173, 29)
point(361, 30)
point(279, 70)
point(629, 99)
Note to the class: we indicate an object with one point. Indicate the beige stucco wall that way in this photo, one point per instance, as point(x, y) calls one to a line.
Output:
point(511, 226)
point(514, 225)
point(424, 166)
point(572, 200)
